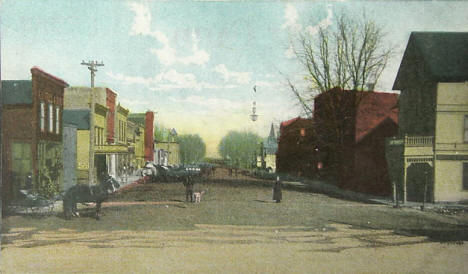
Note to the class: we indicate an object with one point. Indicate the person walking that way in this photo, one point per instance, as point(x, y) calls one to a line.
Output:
point(188, 183)
point(277, 193)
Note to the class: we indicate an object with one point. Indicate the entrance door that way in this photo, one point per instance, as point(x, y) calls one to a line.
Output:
point(420, 177)
point(100, 165)
point(21, 165)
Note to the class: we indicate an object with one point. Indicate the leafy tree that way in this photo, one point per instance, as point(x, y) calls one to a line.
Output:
point(341, 61)
point(239, 148)
point(163, 134)
point(160, 133)
point(192, 148)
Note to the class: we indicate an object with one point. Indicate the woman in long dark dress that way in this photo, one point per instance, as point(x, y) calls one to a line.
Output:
point(277, 193)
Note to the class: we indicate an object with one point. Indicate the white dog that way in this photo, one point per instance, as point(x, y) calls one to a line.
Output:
point(197, 196)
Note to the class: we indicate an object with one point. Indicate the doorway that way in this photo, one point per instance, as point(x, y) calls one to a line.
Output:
point(420, 179)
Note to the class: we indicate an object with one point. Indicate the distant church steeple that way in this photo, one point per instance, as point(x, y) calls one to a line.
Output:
point(272, 133)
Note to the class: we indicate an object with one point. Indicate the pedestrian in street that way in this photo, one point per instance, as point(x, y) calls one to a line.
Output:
point(188, 183)
point(277, 193)
point(124, 173)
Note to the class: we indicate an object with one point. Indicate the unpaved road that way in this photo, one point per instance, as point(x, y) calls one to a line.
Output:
point(236, 229)
point(232, 249)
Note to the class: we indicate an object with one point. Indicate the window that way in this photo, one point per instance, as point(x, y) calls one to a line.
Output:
point(465, 176)
point(466, 129)
point(98, 136)
point(57, 120)
point(42, 116)
point(21, 164)
point(303, 133)
point(51, 118)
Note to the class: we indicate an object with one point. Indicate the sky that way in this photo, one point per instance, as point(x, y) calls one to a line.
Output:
point(195, 63)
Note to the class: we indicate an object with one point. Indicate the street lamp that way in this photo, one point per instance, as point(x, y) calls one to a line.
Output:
point(254, 116)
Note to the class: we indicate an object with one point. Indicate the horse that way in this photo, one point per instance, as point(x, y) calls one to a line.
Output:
point(85, 194)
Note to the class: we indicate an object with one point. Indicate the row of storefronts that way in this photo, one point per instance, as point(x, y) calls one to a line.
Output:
point(122, 140)
point(46, 135)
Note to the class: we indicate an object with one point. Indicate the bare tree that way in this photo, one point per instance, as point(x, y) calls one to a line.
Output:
point(349, 55)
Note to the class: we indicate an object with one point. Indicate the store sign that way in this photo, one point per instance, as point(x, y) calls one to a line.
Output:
point(110, 149)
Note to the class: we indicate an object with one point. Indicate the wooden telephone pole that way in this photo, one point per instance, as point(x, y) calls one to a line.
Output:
point(92, 67)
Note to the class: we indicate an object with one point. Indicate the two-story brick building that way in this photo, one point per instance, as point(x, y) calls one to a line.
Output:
point(32, 134)
point(433, 131)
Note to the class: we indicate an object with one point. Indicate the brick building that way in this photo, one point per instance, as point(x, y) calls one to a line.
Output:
point(351, 129)
point(32, 134)
point(296, 147)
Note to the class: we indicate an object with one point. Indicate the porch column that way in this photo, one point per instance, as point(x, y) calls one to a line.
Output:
point(404, 181)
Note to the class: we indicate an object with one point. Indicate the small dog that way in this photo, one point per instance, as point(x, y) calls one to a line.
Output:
point(197, 196)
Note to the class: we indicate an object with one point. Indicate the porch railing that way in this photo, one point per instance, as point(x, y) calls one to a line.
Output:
point(419, 141)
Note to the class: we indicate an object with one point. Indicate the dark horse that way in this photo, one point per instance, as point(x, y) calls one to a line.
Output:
point(85, 194)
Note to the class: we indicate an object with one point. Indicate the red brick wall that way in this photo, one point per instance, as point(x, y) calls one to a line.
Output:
point(149, 136)
point(16, 126)
point(110, 103)
point(47, 91)
point(296, 154)
point(20, 123)
point(371, 170)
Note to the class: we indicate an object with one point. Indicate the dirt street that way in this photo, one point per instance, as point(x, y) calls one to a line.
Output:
point(235, 229)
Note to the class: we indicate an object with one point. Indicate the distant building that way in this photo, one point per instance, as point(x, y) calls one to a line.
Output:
point(269, 147)
point(149, 136)
point(32, 134)
point(433, 132)
point(144, 134)
point(167, 149)
point(123, 159)
point(296, 147)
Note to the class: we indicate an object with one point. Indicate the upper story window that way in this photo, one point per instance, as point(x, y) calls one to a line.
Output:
point(122, 131)
point(57, 120)
point(303, 132)
point(98, 135)
point(466, 129)
point(42, 116)
point(50, 113)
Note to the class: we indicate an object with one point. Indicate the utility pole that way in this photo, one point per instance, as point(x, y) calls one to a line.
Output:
point(92, 67)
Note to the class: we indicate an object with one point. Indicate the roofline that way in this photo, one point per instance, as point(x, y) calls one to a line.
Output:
point(383, 120)
point(111, 90)
point(397, 82)
point(39, 71)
